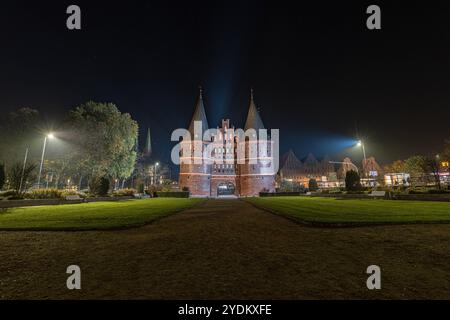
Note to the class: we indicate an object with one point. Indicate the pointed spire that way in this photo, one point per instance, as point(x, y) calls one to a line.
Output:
point(199, 115)
point(253, 119)
point(148, 144)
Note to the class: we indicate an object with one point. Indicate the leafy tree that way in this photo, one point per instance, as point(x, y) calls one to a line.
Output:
point(446, 151)
point(19, 130)
point(431, 167)
point(17, 182)
point(352, 181)
point(312, 185)
point(2, 175)
point(104, 138)
point(397, 166)
point(416, 167)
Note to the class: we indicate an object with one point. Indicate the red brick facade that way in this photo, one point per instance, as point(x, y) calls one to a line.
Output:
point(225, 171)
point(247, 179)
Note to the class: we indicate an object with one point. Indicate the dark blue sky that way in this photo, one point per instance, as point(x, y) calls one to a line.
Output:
point(318, 73)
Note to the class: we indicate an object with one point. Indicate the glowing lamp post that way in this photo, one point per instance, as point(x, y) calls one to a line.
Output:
point(154, 171)
point(361, 144)
point(49, 136)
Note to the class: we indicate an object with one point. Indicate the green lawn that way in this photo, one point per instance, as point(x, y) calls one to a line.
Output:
point(95, 215)
point(341, 212)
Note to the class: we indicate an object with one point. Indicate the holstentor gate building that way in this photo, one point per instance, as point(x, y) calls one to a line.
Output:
point(224, 174)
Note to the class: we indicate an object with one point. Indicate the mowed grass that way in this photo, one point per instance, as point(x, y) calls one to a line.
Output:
point(92, 216)
point(350, 212)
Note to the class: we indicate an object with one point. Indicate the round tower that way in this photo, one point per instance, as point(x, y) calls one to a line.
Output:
point(195, 173)
point(256, 174)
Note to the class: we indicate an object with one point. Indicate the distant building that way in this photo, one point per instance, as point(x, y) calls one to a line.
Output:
point(396, 179)
point(292, 170)
point(372, 174)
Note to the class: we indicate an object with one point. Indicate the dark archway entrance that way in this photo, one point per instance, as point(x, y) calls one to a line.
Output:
point(225, 189)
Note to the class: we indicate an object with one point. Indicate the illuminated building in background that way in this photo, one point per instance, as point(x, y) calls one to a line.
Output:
point(295, 172)
point(397, 179)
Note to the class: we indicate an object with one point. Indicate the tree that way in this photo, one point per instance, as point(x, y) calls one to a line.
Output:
point(2, 175)
point(104, 138)
point(19, 130)
point(20, 177)
point(398, 166)
point(352, 181)
point(446, 151)
point(431, 166)
point(312, 185)
point(416, 166)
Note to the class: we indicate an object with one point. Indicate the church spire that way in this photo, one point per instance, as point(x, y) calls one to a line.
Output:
point(253, 119)
point(199, 114)
point(148, 145)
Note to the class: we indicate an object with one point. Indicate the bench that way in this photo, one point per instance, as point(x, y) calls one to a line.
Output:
point(141, 196)
point(377, 194)
point(73, 197)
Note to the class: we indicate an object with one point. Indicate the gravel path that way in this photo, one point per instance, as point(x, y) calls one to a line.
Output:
point(227, 249)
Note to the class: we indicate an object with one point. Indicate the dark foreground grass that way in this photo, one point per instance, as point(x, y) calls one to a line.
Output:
point(92, 216)
point(329, 211)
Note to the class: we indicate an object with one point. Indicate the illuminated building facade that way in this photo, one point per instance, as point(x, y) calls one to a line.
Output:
point(222, 174)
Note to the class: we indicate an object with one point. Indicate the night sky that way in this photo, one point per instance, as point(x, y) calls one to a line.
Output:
point(319, 75)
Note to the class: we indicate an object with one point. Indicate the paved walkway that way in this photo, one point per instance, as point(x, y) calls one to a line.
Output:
point(227, 249)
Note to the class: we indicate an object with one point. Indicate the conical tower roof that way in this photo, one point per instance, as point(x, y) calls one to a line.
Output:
point(253, 119)
point(199, 115)
point(148, 144)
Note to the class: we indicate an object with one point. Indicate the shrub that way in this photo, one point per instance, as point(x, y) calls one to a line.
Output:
point(8, 193)
point(352, 181)
point(280, 194)
point(99, 186)
point(435, 191)
point(124, 192)
point(174, 194)
point(140, 188)
point(44, 194)
point(356, 192)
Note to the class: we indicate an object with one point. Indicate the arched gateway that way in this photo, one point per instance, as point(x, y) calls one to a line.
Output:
point(225, 189)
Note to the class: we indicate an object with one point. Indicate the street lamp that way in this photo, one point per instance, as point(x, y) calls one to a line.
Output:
point(361, 144)
point(49, 136)
point(154, 171)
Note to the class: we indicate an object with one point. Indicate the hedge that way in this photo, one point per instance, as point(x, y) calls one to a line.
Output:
point(280, 194)
point(175, 194)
